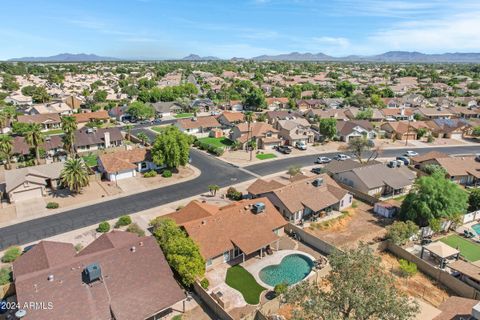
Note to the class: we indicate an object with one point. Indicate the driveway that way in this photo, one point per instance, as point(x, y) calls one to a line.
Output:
point(131, 185)
point(31, 207)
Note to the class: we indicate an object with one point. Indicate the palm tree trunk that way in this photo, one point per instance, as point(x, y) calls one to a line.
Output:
point(37, 154)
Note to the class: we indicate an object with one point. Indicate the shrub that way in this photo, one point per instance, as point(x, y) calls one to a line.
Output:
point(399, 232)
point(408, 268)
point(5, 276)
point(218, 151)
point(103, 227)
point(280, 289)
point(78, 247)
point(123, 221)
point(135, 228)
point(166, 173)
point(150, 174)
point(430, 139)
point(52, 205)
point(205, 283)
point(11, 254)
point(177, 317)
point(233, 194)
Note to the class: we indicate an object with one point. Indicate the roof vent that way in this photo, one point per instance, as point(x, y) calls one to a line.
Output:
point(20, 314)
point(140, 243)
point(51, 277)
point(317, 182)
point(258, 207)
point(133, 249)
point(91, 273)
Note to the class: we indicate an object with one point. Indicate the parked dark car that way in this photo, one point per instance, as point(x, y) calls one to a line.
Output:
point(283, 149)
point(405, 160)
point(317, 170)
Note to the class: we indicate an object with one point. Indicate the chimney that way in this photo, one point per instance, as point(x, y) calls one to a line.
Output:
point(133, 249)
point(51, 277)
point(106, 135)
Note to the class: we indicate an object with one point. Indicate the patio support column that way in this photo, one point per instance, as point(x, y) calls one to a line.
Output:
point(261, 253)
point(421, 253)
point(278, 242)
point(243, 253)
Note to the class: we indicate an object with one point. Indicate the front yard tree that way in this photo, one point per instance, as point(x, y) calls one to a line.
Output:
point(434, 197)
point(75, 175)
point(171, 148)
point(293, 171)
point(255, 99)
point(140, 110)
point(6, 148)
point(357, 288)
point(213, 188)
point(34, 138)
point(182, 254)
point(361, 145)
point(142, 137)
point(327, 127)
point(69, 126)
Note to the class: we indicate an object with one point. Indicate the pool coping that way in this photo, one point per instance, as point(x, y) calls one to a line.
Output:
point(275, 259)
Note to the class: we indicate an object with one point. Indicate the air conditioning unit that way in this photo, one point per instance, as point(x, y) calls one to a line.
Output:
point(317, 182)
point(91, 273)
point(258, 207)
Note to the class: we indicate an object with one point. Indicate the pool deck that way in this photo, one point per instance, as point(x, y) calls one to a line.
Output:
point(255, 265)
point(468, 226)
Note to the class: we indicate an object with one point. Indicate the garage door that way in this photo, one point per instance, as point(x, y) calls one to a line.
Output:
point(122, 175)
point(457, 136)
point(28, 194)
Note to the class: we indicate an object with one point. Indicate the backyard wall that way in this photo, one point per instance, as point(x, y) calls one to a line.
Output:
point(311, 240)
point(211, 303)
point(459, 287)
point(359, 195)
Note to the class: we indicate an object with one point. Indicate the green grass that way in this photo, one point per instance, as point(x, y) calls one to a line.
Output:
point(54, 131)
point(217, 142)
point(240, 279)
point(90, 160)
point(183, 115)
point(157, 129)
point(468, 249)
point(265, 156)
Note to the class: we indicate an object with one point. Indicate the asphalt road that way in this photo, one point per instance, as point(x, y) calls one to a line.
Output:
point(213, 170)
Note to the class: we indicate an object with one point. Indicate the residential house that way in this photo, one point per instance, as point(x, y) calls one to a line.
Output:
point(303, 198)
point(276, 103)
point(434, 113)
point(274, 116)
point(458, 308)
point(47, 121)
point(118, 276)
point(125, 164)
point(403, 130)
point(53, 145)
point(56, 107)
point(90, 139)
point(373, 179)
point(86, 117)
point(230, 119)
point(203, 105)
point(333, 103)
point(199, 126)
point(119, 113)
point(305, 104)
point(166, 109)
point(421, 161)
point(352, 114)
point(264, 134)
point(295, 130)
point(449, 128)
point(234, 105)
point(232, 233)
point(347, 130)
point(74, 102)
point(32, 182)
point(462, 170)
point(18, 99)
point(465, 112)
point(397, 114)
point(467, 272)
point(338, 114)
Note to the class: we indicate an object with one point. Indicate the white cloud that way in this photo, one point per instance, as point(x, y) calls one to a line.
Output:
point(339, 42)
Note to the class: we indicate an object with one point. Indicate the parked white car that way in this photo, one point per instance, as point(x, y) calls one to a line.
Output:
point(301, 145)
point(341, 157)
point(323, 160)
point(411, 153)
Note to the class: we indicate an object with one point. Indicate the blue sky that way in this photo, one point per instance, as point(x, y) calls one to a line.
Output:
point(241, 28)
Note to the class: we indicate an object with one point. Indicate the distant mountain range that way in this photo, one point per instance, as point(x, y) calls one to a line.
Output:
point(67, 57)
point(391, 56)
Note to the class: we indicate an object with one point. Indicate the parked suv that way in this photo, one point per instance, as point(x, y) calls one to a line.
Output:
point(301, 145)
point(283, 149)
point(341, 157)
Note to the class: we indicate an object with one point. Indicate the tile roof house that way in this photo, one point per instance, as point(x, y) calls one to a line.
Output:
point(47, 121)
point(56, 107)
point(276, 103)
point(466, 112)
point(125, 164)
point(434, 113)
point(86, 117)
point(53, 144)
point(338, 114)
point(263, 133)
point(427, 158)
point(403, 130)
point(230, 119)
point(232, 233)
point(200, 126)
point(458, 308)
point(32, 182)
point(449, 128)
point(118, 276)
point(274, 116)
point(377, 180)
point(89, 139)
point(462, 170)
point(352, 113)
point(295, 130)
point(167, 108)
point(18, 99)
point(347, 130)
point(305, 104)
point(397, 114)
point(303, 198)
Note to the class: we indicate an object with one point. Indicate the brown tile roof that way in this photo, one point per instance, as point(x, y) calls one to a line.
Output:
point(456, 308)
point(262, 186)
point(124, 160)
point(233, 224)
point(396, 111)
point(89, 116)
point(134, 285)
point(49, 118)
point(276, 100)
point(258, 128)
point(431, 155)
point(20, 146)
point(346, 127)
point(85, 138)
point(467, 268)
point(199, 122)
point(233, 116)
point(460, 166)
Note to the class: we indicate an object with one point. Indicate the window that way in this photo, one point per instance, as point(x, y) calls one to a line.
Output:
point(209, 262)
point(226, 256)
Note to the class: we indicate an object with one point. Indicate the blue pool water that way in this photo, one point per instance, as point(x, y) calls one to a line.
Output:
point(292, 269)
point(476, 227)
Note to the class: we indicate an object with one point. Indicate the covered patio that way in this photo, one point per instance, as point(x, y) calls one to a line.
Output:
point(440, 253)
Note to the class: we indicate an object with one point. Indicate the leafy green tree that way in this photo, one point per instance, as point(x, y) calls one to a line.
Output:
point(345, 88)
point(100, 96)
point(6, 148)
point(11, 254)
point(421, 132)
point(408, 269)
point(5, 276)
point(103, 227)
point(213, 188)
point(400, 231)
point(171, 148)
point(364, 114)
point(476, 131)
point(69, 126)
point(432, 168)
point(280, 289)
point(182, 253)
point(142, 137)
point(361, 145)
point(35, 138)
point(387, 93)
point(434, 197)
point(358, 288)
point(140, 110)
point(255, 99)
point(474, 200)
point(75, 175)
point(9, 82)
point(294, 170)
point(20, 128)
point(129, 128)
point(328, 127)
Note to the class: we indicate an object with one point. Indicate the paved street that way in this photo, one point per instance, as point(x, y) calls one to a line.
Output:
point(213, 170)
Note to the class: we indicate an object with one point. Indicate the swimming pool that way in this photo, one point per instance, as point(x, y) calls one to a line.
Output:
point(292, 269)
point(476, 227)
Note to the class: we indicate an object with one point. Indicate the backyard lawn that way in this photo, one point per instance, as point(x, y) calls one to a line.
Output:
point(90, 160)
point(217, 142)
point(183, 115)
point(240, 279)
point(265, 156)
point(468, 249)
point(54, 131)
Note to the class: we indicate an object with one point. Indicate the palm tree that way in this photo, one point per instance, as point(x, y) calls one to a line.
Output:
point(69, 126)
point(249, 119)
point(75, 175)
point(129, 128)
point(143, 138)
point(6, 148)
point(34, 137)
point(213, 188)
point(3, 121)
point(6, 115)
